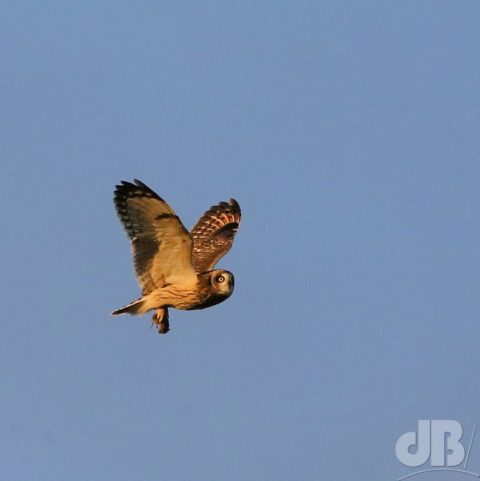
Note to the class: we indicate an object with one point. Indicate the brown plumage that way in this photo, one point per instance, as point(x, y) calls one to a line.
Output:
point(172, 265)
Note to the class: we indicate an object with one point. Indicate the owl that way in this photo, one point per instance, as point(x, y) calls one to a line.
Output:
point(175, 267)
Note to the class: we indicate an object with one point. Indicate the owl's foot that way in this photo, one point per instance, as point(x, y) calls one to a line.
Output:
point(160, 320)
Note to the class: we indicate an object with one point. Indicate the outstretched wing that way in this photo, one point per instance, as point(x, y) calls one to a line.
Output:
point(213, 234)
point(162, 247)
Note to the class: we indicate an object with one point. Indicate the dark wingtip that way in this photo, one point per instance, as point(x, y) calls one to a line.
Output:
point(140, 183)
point(128, 188)
point(235, 205)
point(123, 186)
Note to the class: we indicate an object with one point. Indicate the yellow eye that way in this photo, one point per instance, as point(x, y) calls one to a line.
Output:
point(220, 279)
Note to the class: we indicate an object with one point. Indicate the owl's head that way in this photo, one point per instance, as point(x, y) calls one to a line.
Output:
point(222, 281)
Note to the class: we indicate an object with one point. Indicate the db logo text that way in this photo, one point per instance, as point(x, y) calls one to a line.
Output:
point(436, 443)
point(438, 440)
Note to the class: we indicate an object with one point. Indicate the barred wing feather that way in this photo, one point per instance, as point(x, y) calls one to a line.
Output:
point(213, 234)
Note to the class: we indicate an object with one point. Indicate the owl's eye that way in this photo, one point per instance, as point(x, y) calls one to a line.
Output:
point(220, 279)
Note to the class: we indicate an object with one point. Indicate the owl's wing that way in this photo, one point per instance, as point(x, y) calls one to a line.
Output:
point(213, 234)
point(162, 247)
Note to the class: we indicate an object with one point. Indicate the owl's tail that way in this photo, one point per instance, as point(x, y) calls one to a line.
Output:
point(135, 307)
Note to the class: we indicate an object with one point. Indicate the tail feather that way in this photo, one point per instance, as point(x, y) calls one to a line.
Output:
point(135, 307)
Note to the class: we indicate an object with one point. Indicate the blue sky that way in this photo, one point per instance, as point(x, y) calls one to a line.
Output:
point(349, 133)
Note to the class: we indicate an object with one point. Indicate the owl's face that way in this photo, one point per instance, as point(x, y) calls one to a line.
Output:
point(222, 281)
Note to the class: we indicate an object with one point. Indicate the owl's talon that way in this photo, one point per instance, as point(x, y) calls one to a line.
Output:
point(160, 320)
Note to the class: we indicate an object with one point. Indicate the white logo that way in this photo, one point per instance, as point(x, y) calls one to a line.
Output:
point(437, 440)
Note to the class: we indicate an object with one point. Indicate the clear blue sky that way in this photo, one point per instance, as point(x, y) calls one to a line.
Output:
point(349, 133)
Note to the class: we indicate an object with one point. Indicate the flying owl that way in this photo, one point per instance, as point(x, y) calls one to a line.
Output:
point(174, 267)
